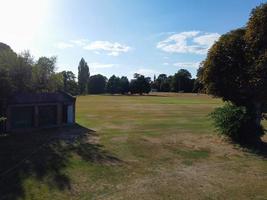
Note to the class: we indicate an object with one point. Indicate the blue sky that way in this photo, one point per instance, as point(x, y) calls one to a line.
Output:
point(121, 36)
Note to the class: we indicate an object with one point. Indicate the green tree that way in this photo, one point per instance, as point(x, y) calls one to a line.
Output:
point(124, 85)
point(69, 83)
point(83, 76)
point(21, 72)
point(198, 85)
point(15, 71)
point(6, 84)
point(140, 84)
point(182, 81)
point(113, 85)
point(97, 84)
point(44, 75)
point(236, 70)
point(161, 79)
point(165, 86)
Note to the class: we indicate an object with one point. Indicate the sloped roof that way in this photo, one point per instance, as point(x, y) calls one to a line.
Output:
point(35, 98)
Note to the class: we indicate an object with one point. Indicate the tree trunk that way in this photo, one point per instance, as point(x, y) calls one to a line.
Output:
point(254, 129)
point(258, 113)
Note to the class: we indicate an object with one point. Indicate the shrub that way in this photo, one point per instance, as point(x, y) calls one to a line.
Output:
point(236, 123)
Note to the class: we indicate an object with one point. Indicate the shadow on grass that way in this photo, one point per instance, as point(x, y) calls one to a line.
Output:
point(44, 156)
point(258, 148)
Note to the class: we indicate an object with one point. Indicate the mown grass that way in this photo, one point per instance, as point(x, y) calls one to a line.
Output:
point(149, 147)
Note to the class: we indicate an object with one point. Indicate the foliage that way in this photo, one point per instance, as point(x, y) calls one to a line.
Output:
point(236, 68)
point(83, 76)
point(162, 83)
point(45, 79)
point(113, 85)
point(21, 73)
point(97, 84)
point(182, 81)
point(124, 85)
point(225, 73)
point(198, 85)
point(162, 78)
point(235, 123)
point(140, 84)
point(165, 86)
point(69, 83)
point(2, 119)
point(6, 85)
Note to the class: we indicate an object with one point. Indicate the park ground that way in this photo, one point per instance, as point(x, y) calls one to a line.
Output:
point(161, 146)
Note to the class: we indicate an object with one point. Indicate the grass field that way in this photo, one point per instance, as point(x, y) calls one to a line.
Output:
point(161, 146)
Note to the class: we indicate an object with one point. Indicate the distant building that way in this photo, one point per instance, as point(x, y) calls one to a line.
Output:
point(26, 111)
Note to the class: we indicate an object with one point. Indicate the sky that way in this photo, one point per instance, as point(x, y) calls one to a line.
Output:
point(121, 37)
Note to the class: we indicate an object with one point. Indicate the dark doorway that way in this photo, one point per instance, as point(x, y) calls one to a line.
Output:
point(65, 114)
point(47, 115)
point(22, 117)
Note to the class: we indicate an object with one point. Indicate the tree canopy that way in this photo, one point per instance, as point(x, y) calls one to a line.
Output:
point(113, 85)
point(97, 84)
point(140, 84)
point(182, 81)
point(236, 69)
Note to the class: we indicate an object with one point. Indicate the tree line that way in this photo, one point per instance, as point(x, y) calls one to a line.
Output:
point(21, 72)
point(181, 81)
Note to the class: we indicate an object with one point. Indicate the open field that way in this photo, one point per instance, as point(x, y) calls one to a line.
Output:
point(133, 147)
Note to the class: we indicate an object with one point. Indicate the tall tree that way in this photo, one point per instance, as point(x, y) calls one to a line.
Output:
point(113, 85)
point(198, 85)
point(160, 80)
point(124, 85)
point(6, 85)
point(83, 76)
point(140, 84)
point(236, 70)
point(97, 84)
point(182, 81)
point(69, 83)
point(45, 78)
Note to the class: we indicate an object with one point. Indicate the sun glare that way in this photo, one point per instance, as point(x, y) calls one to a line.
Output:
point(21, 21)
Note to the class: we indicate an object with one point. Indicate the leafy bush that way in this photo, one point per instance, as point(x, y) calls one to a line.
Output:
point(236, 123)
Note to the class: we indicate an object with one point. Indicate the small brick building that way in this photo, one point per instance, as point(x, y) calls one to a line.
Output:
point(25, 111)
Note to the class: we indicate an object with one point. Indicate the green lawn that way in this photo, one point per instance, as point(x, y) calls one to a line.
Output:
point(142, 147)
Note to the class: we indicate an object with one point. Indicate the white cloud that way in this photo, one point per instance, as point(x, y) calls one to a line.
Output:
point(187, 64)
point(97, 65)
point(97, 52)
point(206, 39)
point(98, 47)
point(80, 42)
point(166, 64)
point(146, 72)
point(188, 42)
point(112, 49)
point(114, 53)
point(63, 45)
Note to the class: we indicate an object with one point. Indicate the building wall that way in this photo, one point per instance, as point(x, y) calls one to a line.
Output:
point(59, 117)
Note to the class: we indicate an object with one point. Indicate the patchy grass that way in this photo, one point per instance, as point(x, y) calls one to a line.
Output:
point(193, 154)
point(144, 147)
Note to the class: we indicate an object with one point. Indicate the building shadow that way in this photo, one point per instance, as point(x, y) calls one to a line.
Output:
point(44, 156)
